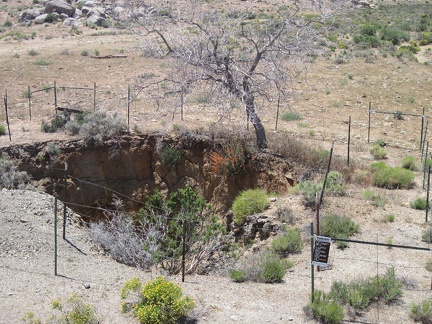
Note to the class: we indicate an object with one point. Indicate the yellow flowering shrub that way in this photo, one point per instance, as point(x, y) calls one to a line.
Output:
point(162, 302)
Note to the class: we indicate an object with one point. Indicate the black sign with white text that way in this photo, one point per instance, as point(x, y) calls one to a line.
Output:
point(321, 251)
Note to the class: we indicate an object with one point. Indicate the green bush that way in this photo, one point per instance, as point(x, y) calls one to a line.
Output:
point(160, 301)
point(271, 267)
point(323, 308)
point(249, 202)
point(420, 203)
point(410, 163)
point(58, 122)
point(427, 235)
point(335, 184)
point(170, 155)
point(308, 189)
point(376, 199)
point(238, 275)
point(378, 152)
point(361, 293)
point(422, 312)
point(338, 227)
point(394, 35)
point(289, 242)
point(290, 116)
point(2, 130)
point(73, 311)
point(264, 266)
point(393, 178)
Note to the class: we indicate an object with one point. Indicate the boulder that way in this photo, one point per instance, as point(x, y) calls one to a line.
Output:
point(72, 22)
point(60, 7)
point(40, 19)
point(95, 20)
point(30, 14)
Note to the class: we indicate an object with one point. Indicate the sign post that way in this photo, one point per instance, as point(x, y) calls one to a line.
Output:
point(321, 251)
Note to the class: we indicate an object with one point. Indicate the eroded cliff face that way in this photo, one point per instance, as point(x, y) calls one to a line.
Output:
point(130, 167)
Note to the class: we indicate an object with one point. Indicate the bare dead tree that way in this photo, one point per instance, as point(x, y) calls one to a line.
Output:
point(235, 54)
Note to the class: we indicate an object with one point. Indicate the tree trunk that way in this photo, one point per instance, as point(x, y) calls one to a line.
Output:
point(255, 120)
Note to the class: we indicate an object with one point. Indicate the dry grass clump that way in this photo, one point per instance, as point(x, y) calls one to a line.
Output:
point(308, 157)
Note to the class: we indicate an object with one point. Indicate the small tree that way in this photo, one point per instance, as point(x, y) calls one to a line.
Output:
point(181, 222)
point(235, 55)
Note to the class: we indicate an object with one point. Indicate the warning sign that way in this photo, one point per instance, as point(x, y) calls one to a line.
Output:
point(321, 251)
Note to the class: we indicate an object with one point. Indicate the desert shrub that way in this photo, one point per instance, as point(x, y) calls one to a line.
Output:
point(120, 238)
point(264, 266)
point(393, 178)
point(2, 130)
point(42, 62)
point(323, 308)
point(361, 293)
point(409, 163)
point(33, 52)
point(380, 142)
point(291, 115)
point(427, 235)
point(58, 122)
point(308, 157)
point(308, 189)
point(164, 220)
point(170, 155)
point(10, 176)
point(249, 202)
point(378, 152)
point(394, 35)
point(398, 115)
point(419, 203)
point(271, 268)
point(428, 265)
point(85, 53)
point(289, 242)
point(160, 301)
point(73, 311)
point(100, 125)
point(376, 199)
point(422, 312)
point(53, 148)
point(238, 275)
point(50, 18)
point(72, 127)
point(285, 215)
point(335, 184)
point(338, 227)
point(389, 218)
point(230, 160)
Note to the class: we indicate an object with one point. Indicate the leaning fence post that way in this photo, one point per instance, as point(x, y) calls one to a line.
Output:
point(427, 194)
point(369, 119)
point(64, 202)
point(328, 170)
point(55, 96)
point(349, 140)
point(94, 97)
point(55, 236)
point(7, 116)
point(422, 125)
point(29, 103)
point(128, 107)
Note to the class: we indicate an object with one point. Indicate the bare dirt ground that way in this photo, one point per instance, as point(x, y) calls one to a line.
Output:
point(331, 94)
